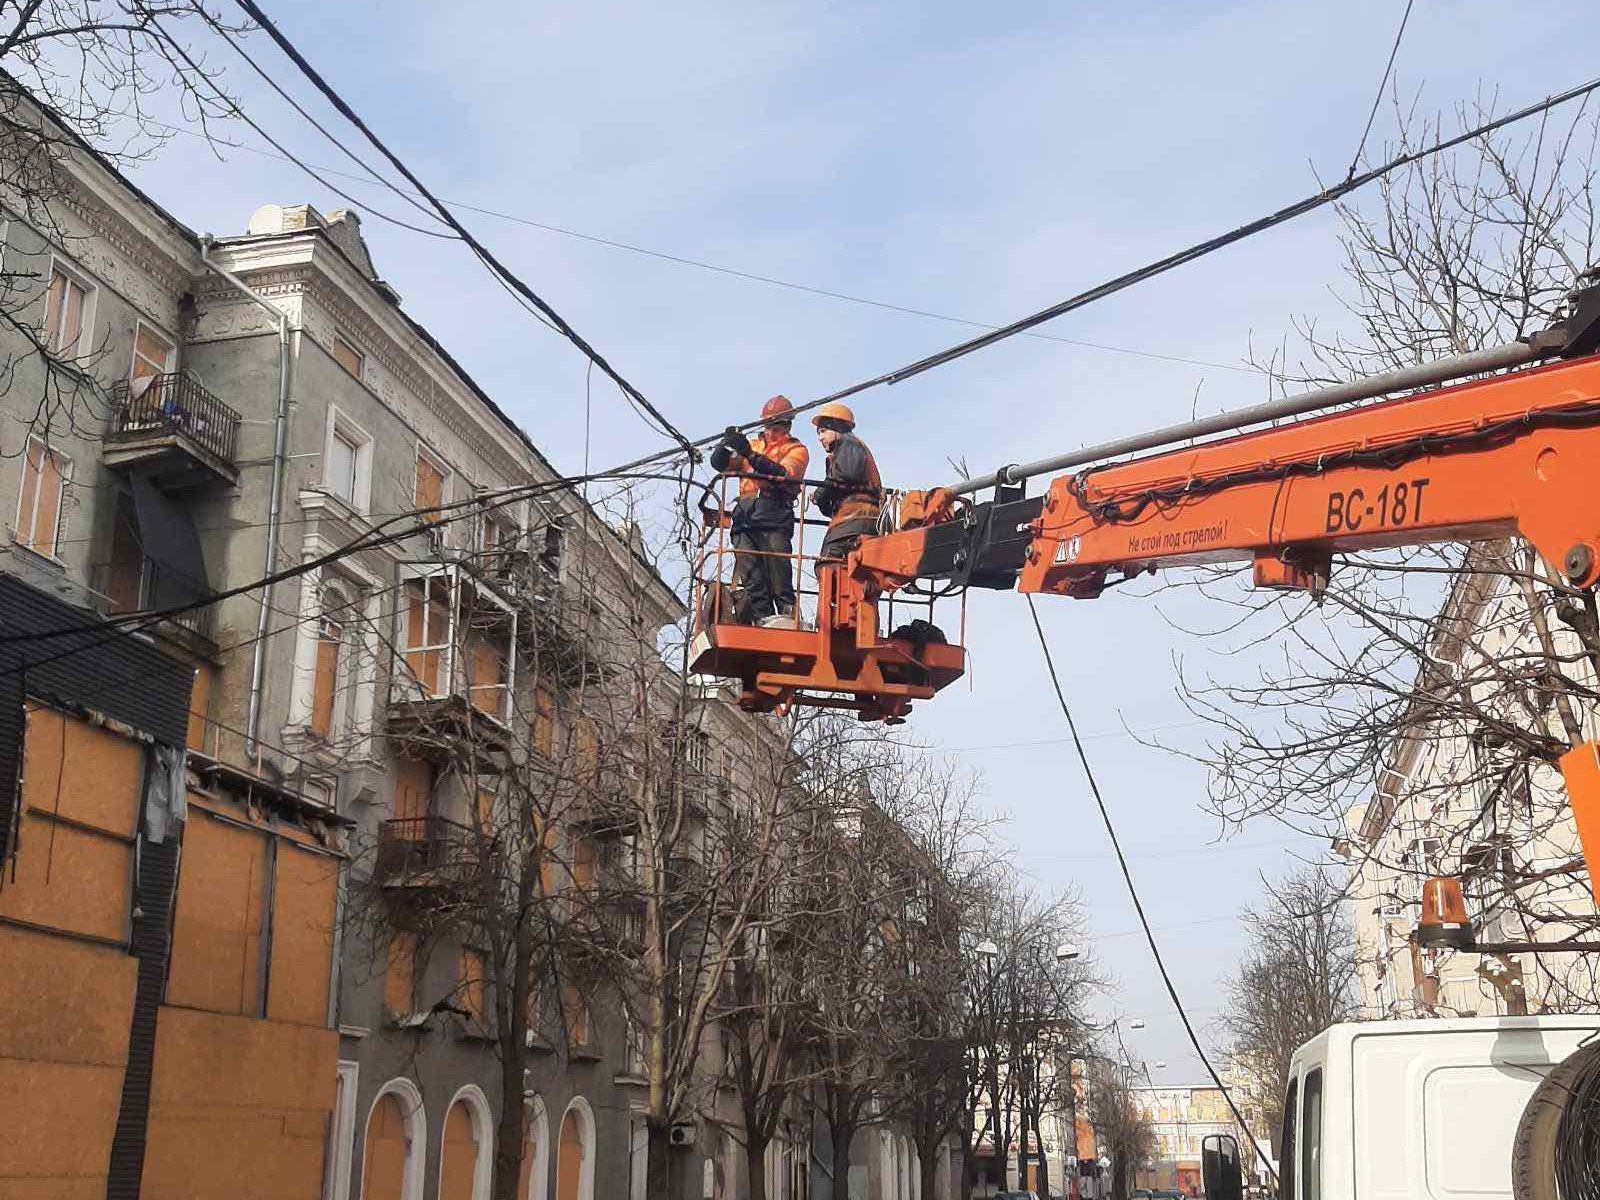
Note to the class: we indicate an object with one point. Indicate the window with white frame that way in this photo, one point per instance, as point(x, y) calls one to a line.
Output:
point(68, 306)
point(499, 529)
point(427, 633)
point(347, 461)
point(45, 473)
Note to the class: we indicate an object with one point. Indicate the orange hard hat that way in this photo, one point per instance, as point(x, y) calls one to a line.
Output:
point(835, 412)
point(778, 409)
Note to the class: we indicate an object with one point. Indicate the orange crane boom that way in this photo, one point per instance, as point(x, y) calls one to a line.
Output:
point(1512, 454)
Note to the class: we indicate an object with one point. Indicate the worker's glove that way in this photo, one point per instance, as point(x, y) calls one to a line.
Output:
point(826, 501)
point(733, 438)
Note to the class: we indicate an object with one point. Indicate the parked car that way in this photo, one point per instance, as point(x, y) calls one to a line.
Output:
point(1015, 1196)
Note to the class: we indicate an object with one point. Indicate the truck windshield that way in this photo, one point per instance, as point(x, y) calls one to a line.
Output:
point(1291, 1103)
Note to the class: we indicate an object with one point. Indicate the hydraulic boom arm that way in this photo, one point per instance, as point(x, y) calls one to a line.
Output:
point(1515, 454)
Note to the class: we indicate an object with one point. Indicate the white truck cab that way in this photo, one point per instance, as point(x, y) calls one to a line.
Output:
point(1420, 1110)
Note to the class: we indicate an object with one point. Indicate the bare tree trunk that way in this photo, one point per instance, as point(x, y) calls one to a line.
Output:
point(841, 1137)
point(660, 1180)
point(755, 1164)
point(928, 1170)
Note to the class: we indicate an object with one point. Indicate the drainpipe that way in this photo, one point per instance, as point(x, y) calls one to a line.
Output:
point(280, 440)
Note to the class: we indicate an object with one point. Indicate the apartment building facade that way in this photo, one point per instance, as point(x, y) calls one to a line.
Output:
point(195, 416)
point(1452, 800)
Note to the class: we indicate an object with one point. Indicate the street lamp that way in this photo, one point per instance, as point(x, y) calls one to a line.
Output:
point(1066, 952)
point(987, 949)
point(1136, 1023)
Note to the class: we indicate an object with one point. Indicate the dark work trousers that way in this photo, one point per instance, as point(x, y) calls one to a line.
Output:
point(763, 573)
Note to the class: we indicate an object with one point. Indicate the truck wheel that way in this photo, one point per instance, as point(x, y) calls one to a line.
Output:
point(1558, 1132)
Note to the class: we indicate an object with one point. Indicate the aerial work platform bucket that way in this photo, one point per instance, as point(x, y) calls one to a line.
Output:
point(861, 649)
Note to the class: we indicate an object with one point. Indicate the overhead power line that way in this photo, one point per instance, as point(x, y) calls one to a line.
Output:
point(1199, 250)
point(369, 176)
point(1133, 892)
point(1161, 266)
point(1388, 69)
point(509, 277)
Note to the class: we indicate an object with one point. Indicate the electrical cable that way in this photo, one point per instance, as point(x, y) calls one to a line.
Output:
point(238, 48)
point(233, 106)
point(1133, 892)
point(377, 537)
point(732, 272)
point(1161, 266)
point(1355, 160)
point(635, 396)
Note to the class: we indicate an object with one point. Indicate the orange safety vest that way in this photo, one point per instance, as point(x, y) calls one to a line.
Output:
point(788, 452)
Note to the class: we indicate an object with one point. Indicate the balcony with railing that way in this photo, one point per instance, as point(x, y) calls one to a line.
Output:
point(174, 430)
point(146, 586)
point(423, 854)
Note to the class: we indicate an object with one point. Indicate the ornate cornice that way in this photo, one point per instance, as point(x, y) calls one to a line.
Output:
point(125, 237)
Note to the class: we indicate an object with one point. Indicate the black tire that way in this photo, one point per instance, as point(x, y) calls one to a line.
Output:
point(1534, 1154)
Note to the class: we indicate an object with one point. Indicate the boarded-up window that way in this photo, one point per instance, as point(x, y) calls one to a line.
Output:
point(325, 680)
point(545, 833)
point(388, 1150)
point(430, 493)
point(458, 1154)
point(304, 895)
point(587, 755)
point(585, 861)
point(575, 1013)
point(44, 476)
point(486, 675)
point(399, 980)
point(427, 632)
point(471, 974)
point(483, 811)
point(199, 708)
point(571, 1150)
point(347, 356)
point(218, 925)
point(63, 315)
point(413, 780)
point(152, 354)
point(544, 722)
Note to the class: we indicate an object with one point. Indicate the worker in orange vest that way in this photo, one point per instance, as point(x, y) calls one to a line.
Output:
point(852, 495)
point(771, 467)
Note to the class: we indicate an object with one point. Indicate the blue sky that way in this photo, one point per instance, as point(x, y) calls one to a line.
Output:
point(975, 160)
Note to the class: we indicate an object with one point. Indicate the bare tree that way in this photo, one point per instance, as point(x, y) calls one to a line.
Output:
point(1475, 666)
point(1123, 1128)
point(1030, 1009)
point(1297, 977)
point(77, 74)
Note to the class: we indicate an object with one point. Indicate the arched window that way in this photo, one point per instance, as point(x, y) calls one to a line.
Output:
point(575, 1153)
point(466, 1147)
point(392, 1151)
point(535, 1183)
